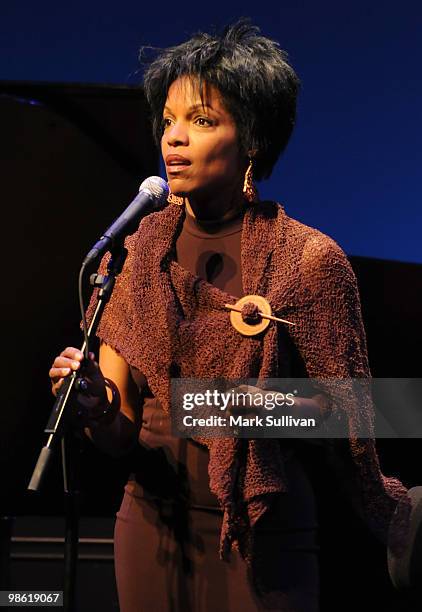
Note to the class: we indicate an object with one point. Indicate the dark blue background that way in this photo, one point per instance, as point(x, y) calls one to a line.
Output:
point(353, 166)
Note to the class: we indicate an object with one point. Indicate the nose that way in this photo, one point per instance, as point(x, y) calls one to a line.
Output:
point(177, 134)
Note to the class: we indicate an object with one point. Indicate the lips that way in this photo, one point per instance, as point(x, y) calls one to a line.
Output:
point(175, 161)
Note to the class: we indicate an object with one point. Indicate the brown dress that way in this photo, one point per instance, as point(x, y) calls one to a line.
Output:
point(168, 527)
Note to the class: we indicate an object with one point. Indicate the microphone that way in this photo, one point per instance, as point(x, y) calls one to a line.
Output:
point(153, 193)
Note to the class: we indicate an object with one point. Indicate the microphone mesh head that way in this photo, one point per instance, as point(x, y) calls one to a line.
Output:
point(157, 187)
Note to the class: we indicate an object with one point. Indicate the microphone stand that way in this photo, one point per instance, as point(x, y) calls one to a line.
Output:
point(59, 431)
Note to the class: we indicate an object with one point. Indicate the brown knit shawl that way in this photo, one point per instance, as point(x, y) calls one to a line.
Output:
point(167, 322)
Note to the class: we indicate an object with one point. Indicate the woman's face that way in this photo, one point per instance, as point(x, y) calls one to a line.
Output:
point(199, 143)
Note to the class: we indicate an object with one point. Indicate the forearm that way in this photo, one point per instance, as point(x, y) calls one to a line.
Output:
point(271, 402)
point(316, 406)
point(115, 428)
point(116, 438)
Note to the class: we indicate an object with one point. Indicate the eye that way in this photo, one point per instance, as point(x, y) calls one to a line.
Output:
point(165, 122)
point(204, 121)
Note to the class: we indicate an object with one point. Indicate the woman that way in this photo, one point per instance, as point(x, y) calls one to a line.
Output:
point(223, 110)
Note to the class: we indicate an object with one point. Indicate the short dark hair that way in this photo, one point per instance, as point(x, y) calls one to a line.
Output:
point(258, 86)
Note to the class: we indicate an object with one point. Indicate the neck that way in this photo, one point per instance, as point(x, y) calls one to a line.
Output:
point(215, 210)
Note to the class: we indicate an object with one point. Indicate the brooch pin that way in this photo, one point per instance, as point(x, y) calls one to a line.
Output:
point(252, 314)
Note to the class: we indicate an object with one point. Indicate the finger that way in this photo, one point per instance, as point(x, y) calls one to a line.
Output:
point(56, 373)
point(66, 362)
point(72, 353)
point(57, 386)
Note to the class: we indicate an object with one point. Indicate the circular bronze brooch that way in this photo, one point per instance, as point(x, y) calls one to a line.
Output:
point(251, 315)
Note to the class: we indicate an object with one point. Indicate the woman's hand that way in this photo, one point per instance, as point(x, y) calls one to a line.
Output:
point(317, 406)
point(109, 408)
point(64, 364)
point(92, 400)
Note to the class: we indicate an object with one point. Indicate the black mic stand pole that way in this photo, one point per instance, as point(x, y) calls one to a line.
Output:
point(59, 431)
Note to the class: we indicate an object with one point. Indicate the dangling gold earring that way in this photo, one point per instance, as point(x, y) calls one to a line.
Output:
point(174, 199)
point(249, 190)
